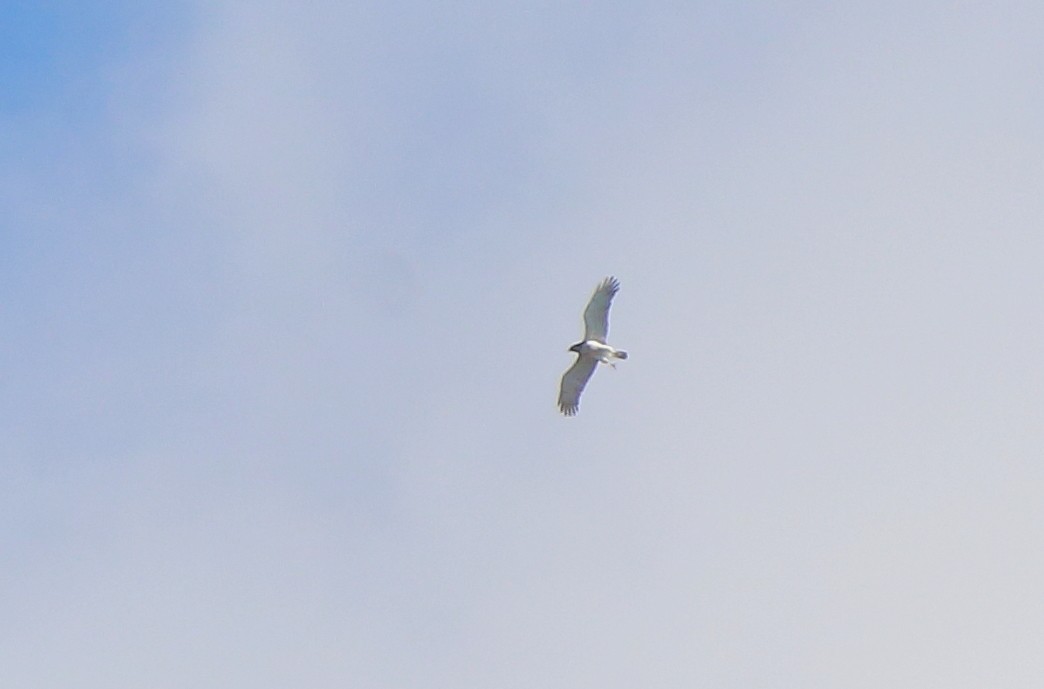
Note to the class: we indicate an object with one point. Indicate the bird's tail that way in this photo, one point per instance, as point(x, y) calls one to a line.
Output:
point(620, 354)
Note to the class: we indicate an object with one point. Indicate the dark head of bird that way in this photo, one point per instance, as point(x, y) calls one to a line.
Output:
point(576, 347)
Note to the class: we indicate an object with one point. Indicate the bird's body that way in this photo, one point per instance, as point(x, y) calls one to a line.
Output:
point(596, 350)
point(592, 350)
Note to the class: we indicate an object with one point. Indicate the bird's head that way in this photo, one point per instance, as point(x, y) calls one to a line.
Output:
point(576, 347)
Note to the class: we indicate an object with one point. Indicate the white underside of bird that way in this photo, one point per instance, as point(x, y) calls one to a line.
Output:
point(603, 353)
point(592, 350)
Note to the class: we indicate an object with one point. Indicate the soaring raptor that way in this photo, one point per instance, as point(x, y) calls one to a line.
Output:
point(593, 349)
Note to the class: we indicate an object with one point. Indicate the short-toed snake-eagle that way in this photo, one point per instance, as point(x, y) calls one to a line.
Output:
point(593, 349)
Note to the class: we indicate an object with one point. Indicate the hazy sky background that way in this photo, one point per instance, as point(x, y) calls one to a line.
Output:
point(287, 289)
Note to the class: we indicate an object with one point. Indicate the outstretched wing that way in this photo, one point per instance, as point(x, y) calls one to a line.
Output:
point(573, 383)
point(596, 315)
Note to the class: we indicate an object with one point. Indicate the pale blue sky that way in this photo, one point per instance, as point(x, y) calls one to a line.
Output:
point(287, 292)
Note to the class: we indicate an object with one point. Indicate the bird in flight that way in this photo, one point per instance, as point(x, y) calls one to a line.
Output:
point(592, 350)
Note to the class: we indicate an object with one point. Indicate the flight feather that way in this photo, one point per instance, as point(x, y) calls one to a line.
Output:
point(596, 315)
